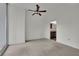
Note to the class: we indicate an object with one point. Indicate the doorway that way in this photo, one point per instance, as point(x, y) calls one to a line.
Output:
point(53, 30)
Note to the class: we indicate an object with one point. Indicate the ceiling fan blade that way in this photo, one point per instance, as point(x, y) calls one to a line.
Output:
point(36, 13)
point(33, 14)
point(39, 14)
point(31, 10)
point(43, 11)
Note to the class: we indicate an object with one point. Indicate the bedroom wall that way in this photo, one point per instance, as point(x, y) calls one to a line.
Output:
point(67, 25)
point(34, 26)
point(16, 25)
point(3, 27)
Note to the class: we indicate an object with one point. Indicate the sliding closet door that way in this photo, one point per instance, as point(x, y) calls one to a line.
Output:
point(3, 27)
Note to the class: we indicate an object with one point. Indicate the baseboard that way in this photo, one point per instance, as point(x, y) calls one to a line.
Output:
point(35, 39)
point(3, 50)
point(16, 43)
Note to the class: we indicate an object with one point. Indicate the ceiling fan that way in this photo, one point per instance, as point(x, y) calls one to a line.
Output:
point(37, 11)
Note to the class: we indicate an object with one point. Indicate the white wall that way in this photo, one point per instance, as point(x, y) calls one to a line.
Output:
point(34, 26)
point(67, 25)
point(2, 26)
point(16, 25)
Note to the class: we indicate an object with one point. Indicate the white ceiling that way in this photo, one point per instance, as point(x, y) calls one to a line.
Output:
point(43, 5)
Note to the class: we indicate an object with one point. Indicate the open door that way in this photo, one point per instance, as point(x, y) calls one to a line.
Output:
point(53, 30)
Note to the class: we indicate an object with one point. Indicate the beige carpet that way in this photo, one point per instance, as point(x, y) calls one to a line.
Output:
point(41, 47)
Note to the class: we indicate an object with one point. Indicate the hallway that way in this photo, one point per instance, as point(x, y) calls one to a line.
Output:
point(41, 47)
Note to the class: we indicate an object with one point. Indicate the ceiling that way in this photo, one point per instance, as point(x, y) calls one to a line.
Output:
point(42, 5)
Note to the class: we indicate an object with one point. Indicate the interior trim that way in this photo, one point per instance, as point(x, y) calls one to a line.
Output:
point(3, 50)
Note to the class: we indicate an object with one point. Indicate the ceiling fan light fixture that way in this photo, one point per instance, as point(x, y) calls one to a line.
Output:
point(37, 11)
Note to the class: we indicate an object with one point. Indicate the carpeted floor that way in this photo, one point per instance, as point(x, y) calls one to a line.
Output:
point(41, 47)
